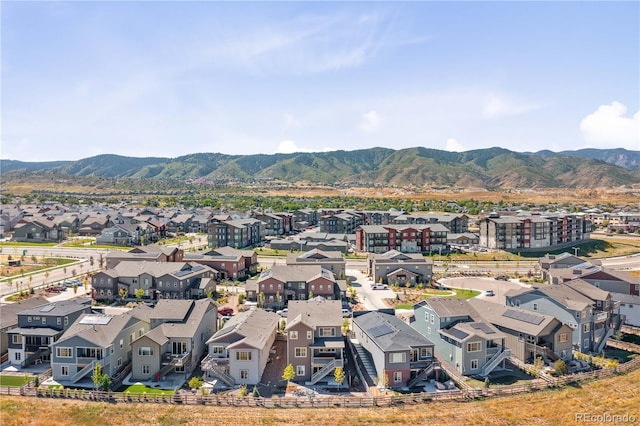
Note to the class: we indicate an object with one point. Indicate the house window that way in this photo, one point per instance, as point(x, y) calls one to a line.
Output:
point(300, 352)
point(309, 335)
point(59, 321)
point(563, 337)
point(16, 339)
point(474, 347)
point(299, 370)
point(119, 363)
point(474, 364)
point(301, 286)
point(428, 330)
point(64, 352)
point(28, 319)
point(520, 338)
point(293, 335)
point(64, 370)
point(217, 350)
point(243, 356)
point(535, 306)
point(327, 332)
point(145, 351)
point(18, 356)
point(66, 320)
point(397, 357)
point(397, 376)
point(425, 353)
point(244, 374)
point(432, 319)
point(585, 328)
point(121, 343)
point(578, 314)
point(44, 320)
point(145, 369)
point(598, 303)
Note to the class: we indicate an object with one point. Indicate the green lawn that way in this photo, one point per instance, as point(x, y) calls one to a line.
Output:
point(143, 388)
point(14, 380)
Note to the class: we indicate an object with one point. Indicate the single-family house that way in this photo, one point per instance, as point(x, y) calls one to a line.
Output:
point(315, 345)
point(396, 268)
point(240, 350)
point(331, 261)
point(399, 353)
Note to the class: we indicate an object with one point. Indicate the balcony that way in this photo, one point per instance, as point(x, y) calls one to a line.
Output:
point(600, 316)
point(177, 360)
point(319, 361)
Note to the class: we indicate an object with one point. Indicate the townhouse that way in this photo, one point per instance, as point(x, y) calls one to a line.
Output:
point(455, 223)
point(282, 284)
point(230, 263)
point(156, 280)
point(315, 345)
point(176, 340)
point(330, 261)
point(461, 337)
point(304, 218)
point(340, 223)
point(150, 253)
point(396, 268)
point(9, 317)
point(240, 350)
point(402, 357)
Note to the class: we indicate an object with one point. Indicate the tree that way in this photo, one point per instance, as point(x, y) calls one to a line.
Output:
point(75, 288)
point(100, 380)
point(195, 382)
point(261, 299)
point(139, 293)
point(123, 293)
point(255, 393)
point(210, 294)
point(338, 375)
point(289, 373)
point(243, 391)
point(560, 367)
point(383, 380)
point(346, 325)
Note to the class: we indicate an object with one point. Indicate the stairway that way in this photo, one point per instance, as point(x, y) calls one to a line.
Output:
point(424, 374)
point(494, 361)
point(325, 370)
point(222, 375)
point(603, 340)
point(80, 374)
point(365, 358)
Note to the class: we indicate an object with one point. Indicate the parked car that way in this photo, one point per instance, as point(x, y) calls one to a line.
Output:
point(489, 293)
point(283, 312)
point(346, 313)
point(502, 278)
point(225, 311)
point(379, 287)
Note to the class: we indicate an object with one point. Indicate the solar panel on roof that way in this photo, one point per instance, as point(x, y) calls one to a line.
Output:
point(380, 330)
point(523, 316)
point(47, 308)
point(484, 327)
point(182, 273)
point(95, 320)
point(458, 334)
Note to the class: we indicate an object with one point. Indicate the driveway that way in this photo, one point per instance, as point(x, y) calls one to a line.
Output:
point(483, 284)
point(371, 299)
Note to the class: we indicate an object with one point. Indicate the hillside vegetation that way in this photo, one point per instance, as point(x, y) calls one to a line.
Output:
point(488, 169)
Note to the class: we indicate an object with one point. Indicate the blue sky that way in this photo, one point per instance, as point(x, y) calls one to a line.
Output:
point(173, 78)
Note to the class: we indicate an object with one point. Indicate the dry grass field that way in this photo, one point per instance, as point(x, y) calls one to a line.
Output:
point(614, 396)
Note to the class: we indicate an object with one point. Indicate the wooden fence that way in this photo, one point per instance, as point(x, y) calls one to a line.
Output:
point(197, 398)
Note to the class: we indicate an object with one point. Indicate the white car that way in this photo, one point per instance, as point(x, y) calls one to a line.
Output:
point(379, 286)
point(489, 293)
point(283, 312)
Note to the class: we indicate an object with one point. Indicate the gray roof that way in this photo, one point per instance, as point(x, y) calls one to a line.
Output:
point(588, 289)
point(56, 309)
point(465, 330)
point(188, 326)
point(289, 273)
point(390, 333)
point(36, 331)
point(98, 332)
point(532, 323)
point(315, 312)
point(626, 298)
point(252, 327)
point(450, 307)
point(171, 310)
point(9, 311)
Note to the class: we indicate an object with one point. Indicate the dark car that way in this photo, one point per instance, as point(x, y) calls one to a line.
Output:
point(502, 278)
point(225, 311)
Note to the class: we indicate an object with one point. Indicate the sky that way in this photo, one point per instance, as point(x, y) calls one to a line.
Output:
point(166, 79)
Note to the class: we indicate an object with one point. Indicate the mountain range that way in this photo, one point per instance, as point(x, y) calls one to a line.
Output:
point(491, 168)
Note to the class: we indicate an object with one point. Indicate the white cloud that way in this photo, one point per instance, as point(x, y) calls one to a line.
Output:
point(370, 121)
point(501, 106)
point(289, 147)
point(453, 145)
point(609, 126)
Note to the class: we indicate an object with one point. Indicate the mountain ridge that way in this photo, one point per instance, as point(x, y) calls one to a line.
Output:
point(490, 168)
